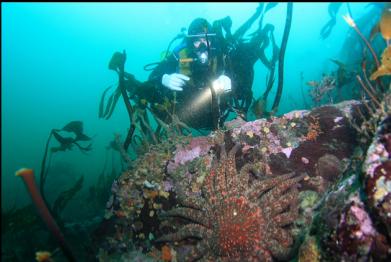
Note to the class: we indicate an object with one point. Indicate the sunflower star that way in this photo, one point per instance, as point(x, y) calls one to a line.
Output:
point(236, 221)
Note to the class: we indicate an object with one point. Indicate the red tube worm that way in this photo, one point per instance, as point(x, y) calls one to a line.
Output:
point(28, 178)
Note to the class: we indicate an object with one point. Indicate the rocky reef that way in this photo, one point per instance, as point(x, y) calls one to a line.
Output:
point(297, 186)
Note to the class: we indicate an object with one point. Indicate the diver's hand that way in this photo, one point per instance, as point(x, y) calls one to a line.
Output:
point(174, 81)
point(222, 83)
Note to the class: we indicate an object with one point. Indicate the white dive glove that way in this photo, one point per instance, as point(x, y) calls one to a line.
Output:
point(223, 83)
point(174, 81)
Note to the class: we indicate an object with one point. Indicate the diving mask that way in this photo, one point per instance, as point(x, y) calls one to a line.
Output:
point(201, 46)
point(202, 53)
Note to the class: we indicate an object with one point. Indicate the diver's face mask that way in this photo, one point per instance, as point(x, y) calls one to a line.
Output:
point(202, 47)
point(201, 50)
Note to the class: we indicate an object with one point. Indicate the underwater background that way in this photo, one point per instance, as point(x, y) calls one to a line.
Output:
point(55, 67)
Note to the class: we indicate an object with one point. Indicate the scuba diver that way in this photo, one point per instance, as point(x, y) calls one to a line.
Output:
point(194, 77)
point(208, 75)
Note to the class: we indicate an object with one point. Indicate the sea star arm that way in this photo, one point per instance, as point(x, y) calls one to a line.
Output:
point(278, 251)
point(193, 215)
point(260, 186)
point(220, 180)
point(192, 202)
point(284, 219)
point(187, 231)
point(285, 201)
point(232, 177)
point(283, 238)
point(274, 194)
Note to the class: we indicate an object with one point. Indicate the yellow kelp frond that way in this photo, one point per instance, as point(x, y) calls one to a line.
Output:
point(385, 23)
point(385, 68)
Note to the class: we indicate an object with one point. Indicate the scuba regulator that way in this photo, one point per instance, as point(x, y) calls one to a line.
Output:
point(202, 50)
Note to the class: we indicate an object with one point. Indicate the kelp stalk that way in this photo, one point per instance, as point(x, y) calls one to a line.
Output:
point(122, 152)
point(352, 24)
point(129, 107)
point(271, 78)
point(28, 178)
point(101, 103)
point(369, 93)
point(43, 174)
point(364, 69)
point(287, 29)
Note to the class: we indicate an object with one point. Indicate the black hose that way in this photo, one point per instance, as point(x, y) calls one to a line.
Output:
point(148, 67)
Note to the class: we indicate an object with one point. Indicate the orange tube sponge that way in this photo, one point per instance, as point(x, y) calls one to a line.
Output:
point(28, 178)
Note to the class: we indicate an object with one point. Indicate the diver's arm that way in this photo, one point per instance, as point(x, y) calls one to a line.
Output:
point(151, 90)
point(167, 66)
point(165, 75)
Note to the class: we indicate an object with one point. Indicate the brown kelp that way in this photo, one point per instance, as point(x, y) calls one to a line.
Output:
point(287, 28)
point(76, 127)
point(333, 9)
point(349, 20)
point(126, 82)
point(114, 64)
point(351, 50)
point(66, 143)
point(259, 41)
point(237, 47)
point(270, 78)
point(100, 192)
point(65, 196)
point(344, 76)
point(101, 103)
point(140, 130)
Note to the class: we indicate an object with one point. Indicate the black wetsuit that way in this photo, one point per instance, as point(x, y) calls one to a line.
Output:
point(194, 103)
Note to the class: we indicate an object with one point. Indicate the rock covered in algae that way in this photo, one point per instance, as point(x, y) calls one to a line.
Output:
point(298, 142)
